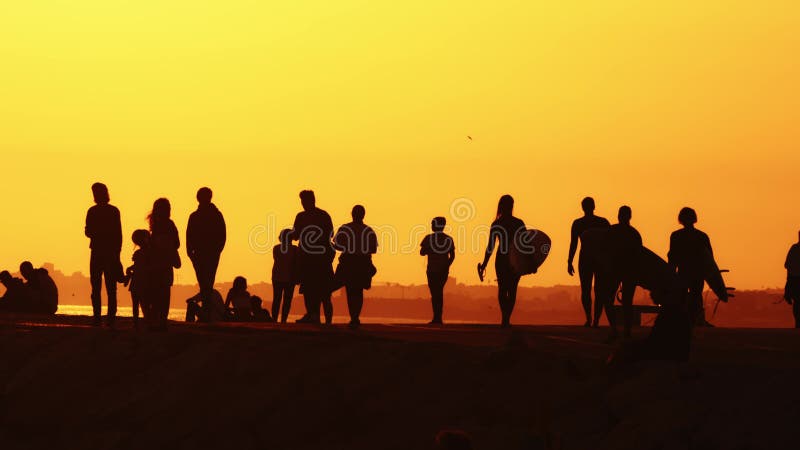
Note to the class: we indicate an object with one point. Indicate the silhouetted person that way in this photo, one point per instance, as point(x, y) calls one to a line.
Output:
point(205, 239)
point(441, 252)
point(139, 276)
point(686, 256)
point(16, 298)
point(285, 275)
point(627, 242)
point(259, 313)
point(313, 229)
point(42, 290)
point(216, 308)
point(586, 272)
point(357, 243)
point(104, 229)
point(504, 232)
point(792, 292)
point(240, 300)
point(165, 243)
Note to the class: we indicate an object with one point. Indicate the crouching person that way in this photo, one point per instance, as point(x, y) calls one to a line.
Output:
point(42, 290)
point(214, 312)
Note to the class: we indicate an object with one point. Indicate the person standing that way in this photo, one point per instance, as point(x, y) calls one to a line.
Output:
point(313, 229)
point(627, 243)
point(441, 252)
point(686, 255)
point(586, 271)
point(504, 232)
point(792, 292)
point(164, 242)
point(205, 239)
point(357, 242)
point(104, 230)
point(285, 273)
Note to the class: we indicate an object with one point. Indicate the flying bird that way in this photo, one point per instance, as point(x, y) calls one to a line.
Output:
point(469, 137)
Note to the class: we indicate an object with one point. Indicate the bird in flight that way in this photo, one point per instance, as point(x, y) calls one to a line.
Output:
point(469, 137)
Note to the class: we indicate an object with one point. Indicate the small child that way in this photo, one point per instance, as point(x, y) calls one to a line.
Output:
point(259, 314)
point(285, 275)
point(240, 300)
point(441, 252)
point(137, 275)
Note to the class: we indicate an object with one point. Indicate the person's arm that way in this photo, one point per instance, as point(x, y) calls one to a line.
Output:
point(489, 247)
point(117, 231)
point(788, 255)
point(451, 255)
point(573, 247)
point(228, 299)
point(191, 231)
point(671, 253)
point(89, 228)
point(708, 244)
point(223, 233)
point(373, 242)
point(424, 247)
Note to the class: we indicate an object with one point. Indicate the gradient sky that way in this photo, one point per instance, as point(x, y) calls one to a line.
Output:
point(652, 105)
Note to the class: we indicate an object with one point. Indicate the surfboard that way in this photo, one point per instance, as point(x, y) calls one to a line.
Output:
point(529, 251)
point(713, 276)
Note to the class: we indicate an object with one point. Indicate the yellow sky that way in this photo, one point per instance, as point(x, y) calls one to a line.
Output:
point(655, 106)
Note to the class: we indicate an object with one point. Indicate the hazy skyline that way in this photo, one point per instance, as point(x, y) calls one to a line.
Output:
point(654, 106)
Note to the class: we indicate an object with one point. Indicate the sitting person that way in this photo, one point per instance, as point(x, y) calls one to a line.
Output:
point(16, 298)
point(240, 300)
point(217, 312)
point(259, 314)
point(42, 289)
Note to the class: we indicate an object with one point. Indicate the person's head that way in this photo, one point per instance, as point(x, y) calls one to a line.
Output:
point(26, 270)
point(240, 283)
point(5, 277)
point(505, 207)
point(358, 213)
point(453, 440)
point(141, 238)
point(308, 200)
point(687, 217)
point(625, 214)
point(285, 236)
point(100, 193)
point(204, 196)
point(161, 211)
point(587, 205)
point(438, 223)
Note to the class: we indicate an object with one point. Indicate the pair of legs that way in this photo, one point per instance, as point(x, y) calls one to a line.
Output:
point(792, 295)
point(104, 266)
point(436, 282)
point(697, 312)
point(355, 302)
point(205, 268)
point(313, 301)
point(282, 294)
point(606, 286)
point(158, 308)
point(507, 283)
point(587, 272)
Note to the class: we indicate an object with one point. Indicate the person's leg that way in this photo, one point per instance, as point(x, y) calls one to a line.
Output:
point(796, 310)
point(512, 296)
point(502, 299)
point(598, 304)
point(355, 301)
point(436, 288)
point(135, 307)
point(605, 290)
point(327, 307)
point(696, 310)
point(277, 292)
point(110, 276)
point(585, 274)
point(628, 289)
point(96, 280)
point(288, 294)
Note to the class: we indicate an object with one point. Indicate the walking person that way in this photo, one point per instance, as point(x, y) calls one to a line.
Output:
point(165, 243)
point(441, 252)
point(792, 292)
point(686, 253)
point(104, 229)
point(586, 271)
point(504, 232)
point(205, 239)
point(357, 242)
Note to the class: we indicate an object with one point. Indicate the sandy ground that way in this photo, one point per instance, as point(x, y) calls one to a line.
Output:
point(64, 384)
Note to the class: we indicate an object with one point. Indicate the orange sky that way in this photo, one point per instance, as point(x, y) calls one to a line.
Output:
point(654, 106)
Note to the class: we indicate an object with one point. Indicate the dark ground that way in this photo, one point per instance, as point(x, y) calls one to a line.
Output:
point(64, 384)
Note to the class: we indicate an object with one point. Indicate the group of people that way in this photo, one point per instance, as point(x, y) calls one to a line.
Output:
point(34, 293)
point(309, 264)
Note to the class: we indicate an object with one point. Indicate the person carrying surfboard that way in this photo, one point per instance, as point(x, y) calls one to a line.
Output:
point(586, 271)
point(687, 248)
point(504, 232)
